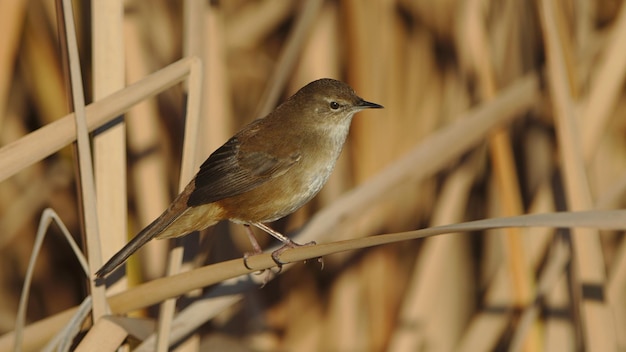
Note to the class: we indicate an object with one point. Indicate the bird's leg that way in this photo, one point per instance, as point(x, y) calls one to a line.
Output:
point(287, 243)
point(257, 250)
point(255, 246)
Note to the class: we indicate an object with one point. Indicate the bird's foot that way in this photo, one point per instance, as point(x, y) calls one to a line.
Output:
point(269, 273)
point(291, 244)
point(287, 244)
point(256, 249)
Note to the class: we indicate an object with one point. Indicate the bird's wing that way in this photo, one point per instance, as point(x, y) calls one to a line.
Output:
point(229, 172)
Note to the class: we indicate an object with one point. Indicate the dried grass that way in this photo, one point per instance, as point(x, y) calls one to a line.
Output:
point(492, 109)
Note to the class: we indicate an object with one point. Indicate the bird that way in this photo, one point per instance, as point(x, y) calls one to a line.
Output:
point(266, 171)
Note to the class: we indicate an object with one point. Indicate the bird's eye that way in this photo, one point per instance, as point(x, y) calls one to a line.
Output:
point(334, 105)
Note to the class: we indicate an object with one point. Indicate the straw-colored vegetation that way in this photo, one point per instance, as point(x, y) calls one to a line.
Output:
point(493, 109)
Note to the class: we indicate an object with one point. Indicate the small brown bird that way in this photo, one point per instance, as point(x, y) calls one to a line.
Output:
point(266, 171)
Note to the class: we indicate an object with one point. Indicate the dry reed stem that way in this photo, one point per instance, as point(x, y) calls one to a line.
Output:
point(289, 55)
point(49, 139)
point(256, 21)
point(155, 291)
point(42, 70)
point(345, 320)
point(13, 18)
point(109, 148)
point(589, 264)
point(193, 18)
point(217, 123)
point(192, 318)
point(149, 173)
point(543, 201)
point(614, 290)
point(500, 151)
point(93, 341)
point(85, 163)
point(47, 218)
point(439, 274)
point(188, 168)
point(560, 335)
point(605, 87)
point(37, 334)
point(369, 50)
point(556, 266)
point(109, 145)
point(486, 328)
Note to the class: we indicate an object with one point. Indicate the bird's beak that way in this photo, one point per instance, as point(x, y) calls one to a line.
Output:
point(368, 105)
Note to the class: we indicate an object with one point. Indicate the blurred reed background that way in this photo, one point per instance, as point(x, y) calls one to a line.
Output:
point(429, 63)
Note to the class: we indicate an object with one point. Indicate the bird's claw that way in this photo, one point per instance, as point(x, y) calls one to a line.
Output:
point(276, 258)
point(247, 255)
point(276, 254)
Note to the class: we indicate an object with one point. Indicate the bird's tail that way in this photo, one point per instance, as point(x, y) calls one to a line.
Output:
point(149, 232)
